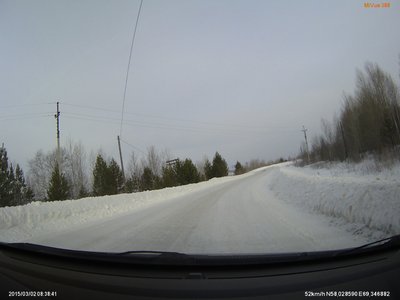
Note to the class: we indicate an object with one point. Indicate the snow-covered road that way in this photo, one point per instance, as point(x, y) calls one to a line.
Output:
point(237, 215)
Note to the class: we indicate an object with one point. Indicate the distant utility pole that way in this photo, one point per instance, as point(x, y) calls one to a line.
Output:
point(57, 116)
point(305, 137)
point(344, 140)
point(172, 162)
point(120, 156)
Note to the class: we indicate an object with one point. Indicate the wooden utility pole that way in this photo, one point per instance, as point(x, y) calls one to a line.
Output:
point(305, 137)
point(120, 157)
point(57, 116)
point(396, 114)
point(344, 141)
point(172, 162)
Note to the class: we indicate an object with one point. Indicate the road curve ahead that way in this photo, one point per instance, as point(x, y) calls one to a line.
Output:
point(238, 216)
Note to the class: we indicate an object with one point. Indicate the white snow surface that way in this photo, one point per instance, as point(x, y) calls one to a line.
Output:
point(280, 208)
point(364, 199)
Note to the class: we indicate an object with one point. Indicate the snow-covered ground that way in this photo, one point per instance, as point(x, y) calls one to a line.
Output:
point(281, 208)
point(360, 197)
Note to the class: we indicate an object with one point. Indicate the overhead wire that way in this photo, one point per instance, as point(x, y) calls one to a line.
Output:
point(213, 125)
point(166, 126)
point(24, 116)
point(129, 64)
point(134, 147)
point(26, 104)
point(103, 118)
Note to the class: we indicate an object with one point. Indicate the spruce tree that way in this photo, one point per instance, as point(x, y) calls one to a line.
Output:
point(100, 177)
point(187, 172)
point(12, 186)
point(18, 184)
point(219, 166)
point(26, 192)
point(239, 168)
point(132, 184)
point(107, 178)
point(58, 188)
point(115, 182)
point(13, 190)
point(5, 192)
point(147, 181)
point(169, 176)
point(208, 172)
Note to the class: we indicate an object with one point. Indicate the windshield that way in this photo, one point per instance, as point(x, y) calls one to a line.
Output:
point(199, 127)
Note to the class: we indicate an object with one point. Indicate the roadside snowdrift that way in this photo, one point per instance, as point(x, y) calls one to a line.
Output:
point(345, 192)
point(365, 204)
point(23, 222)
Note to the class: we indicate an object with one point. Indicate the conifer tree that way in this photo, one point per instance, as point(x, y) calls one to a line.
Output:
point(219, 166)
point(13, 190)
point(21, 193)
point(100, 177)
point(115, 182)
point(239, 168)
point(169, 176)
point(187, 172)
point(147, 181)
point(58, 188)
point(107, 178)
point(4, 178)
point(208, 172)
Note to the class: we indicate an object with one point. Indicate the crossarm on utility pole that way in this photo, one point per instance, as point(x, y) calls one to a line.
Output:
point(305, 137)
point(57, 116)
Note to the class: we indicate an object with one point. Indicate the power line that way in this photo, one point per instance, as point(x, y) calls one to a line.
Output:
point(91, 107)
point(236, 125)
point(24, 116)
point(101, 118)
point(239, 129)
point(164, 126)
point(129, 64)
point(27, 104)
point(134, 147)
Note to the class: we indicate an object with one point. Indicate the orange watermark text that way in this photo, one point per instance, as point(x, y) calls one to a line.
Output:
point(376, 4)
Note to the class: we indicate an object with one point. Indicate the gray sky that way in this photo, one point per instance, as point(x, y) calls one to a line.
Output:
point(238, 77)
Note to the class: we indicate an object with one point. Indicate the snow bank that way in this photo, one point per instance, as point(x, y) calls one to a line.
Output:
point(343, 191)
point(23, 222)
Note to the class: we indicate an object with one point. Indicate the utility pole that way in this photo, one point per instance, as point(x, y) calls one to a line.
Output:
point(172, 162)
point(305, 137)
point(120, 156)
point(57, 116)
point(344, 140)
point(395, 123)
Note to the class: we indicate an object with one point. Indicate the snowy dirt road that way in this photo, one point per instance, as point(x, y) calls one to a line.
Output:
point(240, 215)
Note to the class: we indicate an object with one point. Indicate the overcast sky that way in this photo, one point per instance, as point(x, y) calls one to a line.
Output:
point(238, 77)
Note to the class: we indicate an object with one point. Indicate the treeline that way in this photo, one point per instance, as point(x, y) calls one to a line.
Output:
point(255, 164)
point(49, 181)
point(368, 122)
point(13, 189)
point(80, 175)
point(153, 175)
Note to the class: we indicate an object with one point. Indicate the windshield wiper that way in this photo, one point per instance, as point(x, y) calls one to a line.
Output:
point(140, 257)
point(151, 253)
point(379, 244)
point(154, 254)
point(176, 258)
